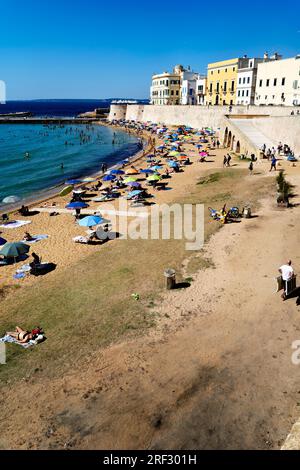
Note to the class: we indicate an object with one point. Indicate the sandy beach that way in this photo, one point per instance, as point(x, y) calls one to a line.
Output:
point(220, 341)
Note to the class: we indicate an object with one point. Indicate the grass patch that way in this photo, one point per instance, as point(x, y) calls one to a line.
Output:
point(198, 263)
point(89, 306)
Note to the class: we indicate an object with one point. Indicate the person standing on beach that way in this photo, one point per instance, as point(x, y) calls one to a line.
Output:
point(251, 168)
point(228, 159)
point(273, 163)
point(224, 161)
point(287, 274)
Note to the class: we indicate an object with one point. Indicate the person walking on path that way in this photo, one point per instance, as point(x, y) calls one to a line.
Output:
point(228, 159)
point(251, 168)
point(273, 163)
point(224, 161)
point(287, 273)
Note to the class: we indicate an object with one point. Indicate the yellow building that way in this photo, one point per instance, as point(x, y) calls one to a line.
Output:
point(222, 81)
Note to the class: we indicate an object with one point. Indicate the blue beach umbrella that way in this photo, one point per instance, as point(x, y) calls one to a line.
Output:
point(117, 172)
point(77, 205)
point(13, 250)
point(91, 221)
point(108, 178)
point(173, 164)
point(156, 167)
point(134, 184)
point(148, 171)
point(134, 193)
point(73, 182)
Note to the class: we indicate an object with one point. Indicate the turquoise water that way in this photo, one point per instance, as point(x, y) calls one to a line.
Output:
point(86, 149)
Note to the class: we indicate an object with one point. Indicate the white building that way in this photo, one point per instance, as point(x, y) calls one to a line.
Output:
point(190, 85)
point(165, 87)
point(278, 82)
point(177, 87)
point(246, 80)
point(201, 90)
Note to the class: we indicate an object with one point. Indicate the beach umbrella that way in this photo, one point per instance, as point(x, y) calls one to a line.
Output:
point(204, 141)
point(134, 184)
point(66, 190)
point(77, 205)
point(173, 154)
point(154, 178)
point(134, 193)
point(156, 167)
point(129, 180)
point(147, 171)
point(131, 171)
point(203, 154)
point(173, 164)
point(91, 221)
point(199, 146)
point(73, 182)
point(15, 249)
point(108, 178)
point(117, 172)
point(183, 157)
point(11, 199)
point(2, 241)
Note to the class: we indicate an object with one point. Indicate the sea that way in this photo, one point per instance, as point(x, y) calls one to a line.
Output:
point(36, 158)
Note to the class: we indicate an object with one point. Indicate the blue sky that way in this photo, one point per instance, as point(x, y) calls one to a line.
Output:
point(96, 49)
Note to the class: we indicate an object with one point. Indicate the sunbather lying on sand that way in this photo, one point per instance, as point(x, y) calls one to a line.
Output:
point(24, 336)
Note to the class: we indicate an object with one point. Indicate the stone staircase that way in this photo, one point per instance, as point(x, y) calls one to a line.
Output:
point(252, 133)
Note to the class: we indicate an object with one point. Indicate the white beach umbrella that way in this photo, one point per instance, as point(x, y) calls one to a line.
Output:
point(11, 199)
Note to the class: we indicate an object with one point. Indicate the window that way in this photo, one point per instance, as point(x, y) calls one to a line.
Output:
point(225, 86)
point(275, 82)
point(239, 93)
point(283, 82)
point(167, 82)
point(218, 87)
point(211, 72)
point(248, 80)
point(232, 86)
point(172, 92)
point(268, 82)
point(218, 71)
point(244, 80)
point(260, 82)
point(226, 71)
point(251, 64)
point(247, 93)
point(266, 97)
point(210, 88)
point(233, 69)
point(240, 80)
point(243, 93)
point(177, 92)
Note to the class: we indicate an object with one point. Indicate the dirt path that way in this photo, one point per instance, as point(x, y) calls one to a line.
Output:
point(217, 373)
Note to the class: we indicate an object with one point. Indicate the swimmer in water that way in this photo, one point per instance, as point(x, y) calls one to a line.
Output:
point(61, 166)
point(27, 155)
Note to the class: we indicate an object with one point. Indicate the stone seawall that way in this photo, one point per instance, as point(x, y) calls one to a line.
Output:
point(275, 122)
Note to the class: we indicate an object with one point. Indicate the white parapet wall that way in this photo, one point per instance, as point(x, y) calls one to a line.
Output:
point(277, 125)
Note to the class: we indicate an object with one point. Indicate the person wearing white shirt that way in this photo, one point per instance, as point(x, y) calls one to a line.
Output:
point(287, 273)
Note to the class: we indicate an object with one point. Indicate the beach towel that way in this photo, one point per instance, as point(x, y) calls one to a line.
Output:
point(19, 276)
point(10, 339)
point(16, 223)
point(36, 238)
